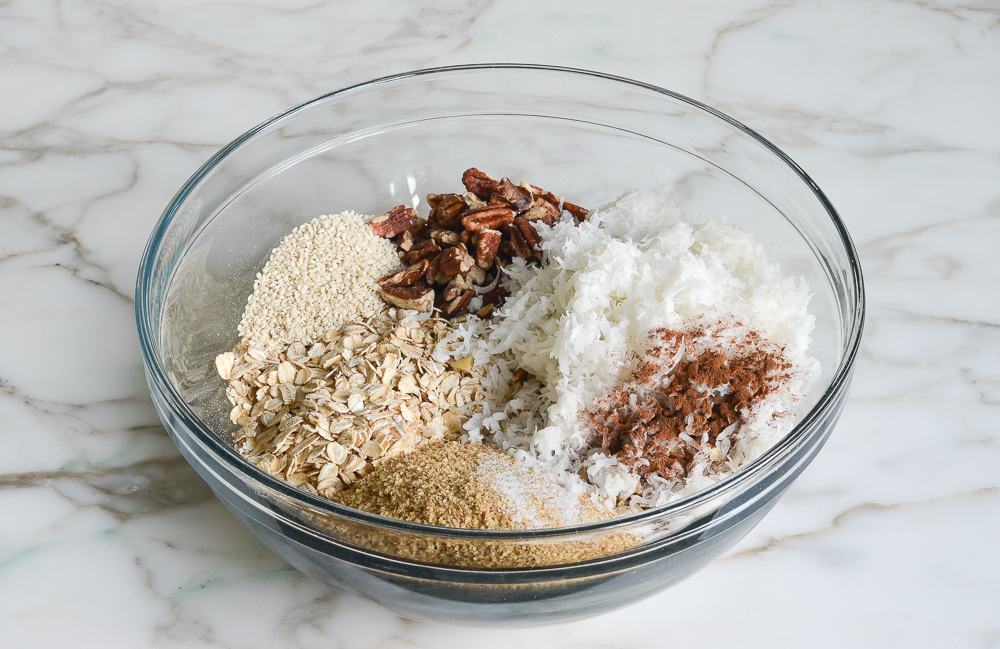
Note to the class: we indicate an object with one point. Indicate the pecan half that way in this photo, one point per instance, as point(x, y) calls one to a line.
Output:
point(448, 211)
point(487, 243)
point(418, 298)
point(479, 183)
point(399, 219)
point(514, 195)
point(408, 277)
point(491, 217)
point(423, 250)
point(454, 261)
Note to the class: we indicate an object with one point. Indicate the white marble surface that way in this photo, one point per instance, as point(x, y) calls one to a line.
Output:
point(108, 539)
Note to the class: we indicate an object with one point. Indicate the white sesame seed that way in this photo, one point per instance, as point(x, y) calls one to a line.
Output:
point(323, 274)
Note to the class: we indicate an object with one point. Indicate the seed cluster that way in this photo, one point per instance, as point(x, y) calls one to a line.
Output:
point(323, 274)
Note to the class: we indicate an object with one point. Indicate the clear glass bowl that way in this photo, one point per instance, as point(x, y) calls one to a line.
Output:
point(582, 135)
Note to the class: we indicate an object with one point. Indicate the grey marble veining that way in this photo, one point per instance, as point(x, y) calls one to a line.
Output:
point(108, 539)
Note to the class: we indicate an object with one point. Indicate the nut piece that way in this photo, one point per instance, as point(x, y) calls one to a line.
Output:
point(528, 231)
point(407, 277)
point(487, 243)
point(477, 276)
point(455, 261)
point(472, 200)
point(446, 211)
point(514, 195)
point(445, 237)
point(479, 183)
point(518, 243)
point(405, 241)
point(491, 217)
point(458, 304)
point(579, 212)
point(456, 287)
point(399, 219)
point(462, 364)
point(418, 298)
point(542, 210)
point(423, 250)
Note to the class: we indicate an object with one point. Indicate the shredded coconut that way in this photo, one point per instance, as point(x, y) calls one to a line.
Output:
point(577, 324)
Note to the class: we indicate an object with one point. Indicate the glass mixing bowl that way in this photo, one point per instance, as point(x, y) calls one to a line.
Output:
point(583, 135)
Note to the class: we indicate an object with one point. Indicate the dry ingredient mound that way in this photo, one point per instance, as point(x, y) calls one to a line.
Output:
point(687, 400)
point(323, 274)
point(577, 323)
point(469, 486)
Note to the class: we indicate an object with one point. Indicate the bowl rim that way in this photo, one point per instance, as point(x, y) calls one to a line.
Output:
point(232, 459)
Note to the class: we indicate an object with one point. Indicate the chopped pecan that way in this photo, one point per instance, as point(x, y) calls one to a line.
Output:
point(552, 198)
point(542, 210)
point(472, 200)
point(506, 251)
point(477, 276)
point(399, 219)
point(494, 296)
point(434, 274)
point(514, 195)
point(466, 237)
point(409, 277)
point(531, 189)
point(520, 376)
point(418, 298)
point(445, 237)
point(578, 212)
point(491, 217)
point(528, 231)
point(455, 306)
point(423, 250)
point(487, 243)
point(447, 213)
point(479, 183)
point(455, 261)
point(518, 243)
point(405, 241)
point(456, 287)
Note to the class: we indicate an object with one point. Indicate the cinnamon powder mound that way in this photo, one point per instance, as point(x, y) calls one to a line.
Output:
point(685, 401)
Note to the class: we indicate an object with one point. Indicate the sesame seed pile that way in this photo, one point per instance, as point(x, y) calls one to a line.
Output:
point(322, 275)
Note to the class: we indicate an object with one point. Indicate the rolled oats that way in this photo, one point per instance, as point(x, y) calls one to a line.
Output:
point(321, 416)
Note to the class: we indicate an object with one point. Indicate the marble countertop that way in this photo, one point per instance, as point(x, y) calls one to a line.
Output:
point(109, 539)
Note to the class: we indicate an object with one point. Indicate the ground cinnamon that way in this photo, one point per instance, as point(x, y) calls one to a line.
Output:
point(679, 402)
